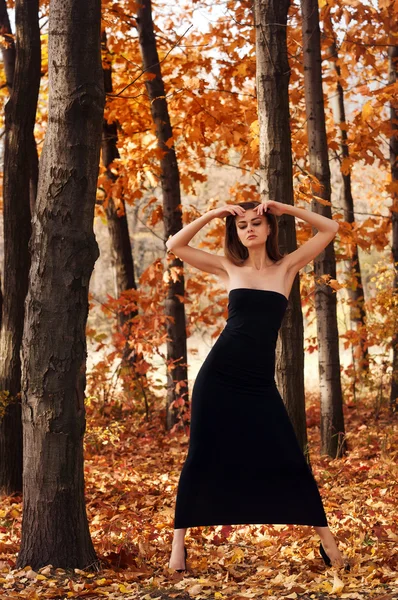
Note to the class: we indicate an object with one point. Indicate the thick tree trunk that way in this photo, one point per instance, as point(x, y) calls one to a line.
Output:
point(356, 292)
point(170, 181)
point(20, 115)
point(64, 250)
point(393, 77)
point(332, 419)
point(272, 82)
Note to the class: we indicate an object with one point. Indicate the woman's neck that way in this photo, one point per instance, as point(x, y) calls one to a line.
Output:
point(258, 260)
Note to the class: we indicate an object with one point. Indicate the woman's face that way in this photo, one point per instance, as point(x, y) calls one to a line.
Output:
point(253, 229)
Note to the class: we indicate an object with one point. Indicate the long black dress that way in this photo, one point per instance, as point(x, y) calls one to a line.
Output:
point(244, 463)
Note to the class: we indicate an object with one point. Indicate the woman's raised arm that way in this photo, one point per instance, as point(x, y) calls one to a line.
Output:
point(205, 261)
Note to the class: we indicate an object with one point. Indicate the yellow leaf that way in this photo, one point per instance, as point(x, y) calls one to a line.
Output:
point(321, 4)
point(147, 76)
point(254, 127)
point(240, 70)
point(237, 556)
point(367, 110)
point(195, 590)
point(346, 165)
point(337, 585)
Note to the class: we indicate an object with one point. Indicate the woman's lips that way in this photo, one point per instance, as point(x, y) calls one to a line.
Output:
point(249, 237)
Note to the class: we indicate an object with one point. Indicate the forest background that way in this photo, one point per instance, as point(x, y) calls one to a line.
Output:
point(137, 418)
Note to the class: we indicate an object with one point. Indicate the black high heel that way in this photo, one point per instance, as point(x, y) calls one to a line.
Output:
point(186, 555)
point(327, 560)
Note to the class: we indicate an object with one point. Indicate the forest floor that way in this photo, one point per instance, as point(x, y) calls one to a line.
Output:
point(132, 469)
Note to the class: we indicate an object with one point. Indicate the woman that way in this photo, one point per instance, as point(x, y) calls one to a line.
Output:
point(244, 464)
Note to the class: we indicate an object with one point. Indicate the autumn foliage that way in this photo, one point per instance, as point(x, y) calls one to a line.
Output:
point(132, 463)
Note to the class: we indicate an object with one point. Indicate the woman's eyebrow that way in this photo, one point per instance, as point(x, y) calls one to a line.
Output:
point(253, 219)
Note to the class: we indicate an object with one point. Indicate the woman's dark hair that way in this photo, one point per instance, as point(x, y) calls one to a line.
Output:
point(236, 251)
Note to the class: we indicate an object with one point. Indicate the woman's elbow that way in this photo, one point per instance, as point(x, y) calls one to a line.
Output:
point(169, 243)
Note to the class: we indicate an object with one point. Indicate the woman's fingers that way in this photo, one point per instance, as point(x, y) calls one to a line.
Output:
point(261, 208)
point(239, 210)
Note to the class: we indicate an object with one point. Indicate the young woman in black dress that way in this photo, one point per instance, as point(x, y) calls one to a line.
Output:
point(244, 463)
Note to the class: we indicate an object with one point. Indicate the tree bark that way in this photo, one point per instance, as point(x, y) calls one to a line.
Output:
point(20, 112)
point(333, 440)
point(272, 82)
point(392, 78)
point(172, 215)
point(355, 292)
point(64, 250)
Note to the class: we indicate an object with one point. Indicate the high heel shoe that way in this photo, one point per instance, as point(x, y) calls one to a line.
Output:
point(186, 555)
point(327, 560)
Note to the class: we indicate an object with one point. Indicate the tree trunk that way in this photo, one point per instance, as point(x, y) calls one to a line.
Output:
point(121, 251)
point(9, 57)
point(393, 77)
point(8, 50)
point(8, 54)
point(170, 181)
point(64, 250)
point(355, 292)
point(272, 82)
point(121, 254)
point(333, 440)
point(20, 112)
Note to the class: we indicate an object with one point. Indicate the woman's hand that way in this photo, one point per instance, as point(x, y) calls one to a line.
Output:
point(272, 207)
point(228, 209)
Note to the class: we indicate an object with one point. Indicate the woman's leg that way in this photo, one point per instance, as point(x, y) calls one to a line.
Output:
point(330, 546)
point(177, 558)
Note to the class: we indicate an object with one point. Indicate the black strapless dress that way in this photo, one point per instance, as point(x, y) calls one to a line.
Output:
point(244, 463)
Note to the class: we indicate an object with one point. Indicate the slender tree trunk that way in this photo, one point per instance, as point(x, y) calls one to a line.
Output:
point(121, 253)
point(170, 180)
point(272, 82)
point(64, 250)
point(20, 115)
point(8, 49)
point(8, 55)
point(393, 77)
point(356, 292)
point(332, 419)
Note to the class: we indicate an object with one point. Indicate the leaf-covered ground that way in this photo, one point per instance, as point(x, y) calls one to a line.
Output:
point(132, 470)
